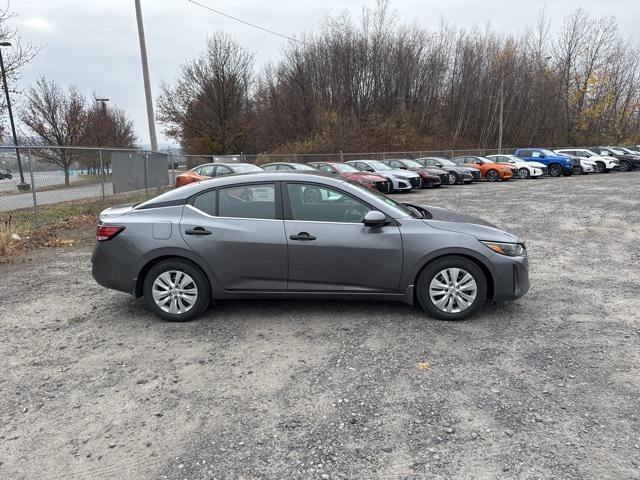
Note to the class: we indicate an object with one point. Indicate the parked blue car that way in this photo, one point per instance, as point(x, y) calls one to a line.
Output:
point(556, 164)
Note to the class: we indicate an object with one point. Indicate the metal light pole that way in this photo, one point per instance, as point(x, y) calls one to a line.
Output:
point(145, 76)
point(22, 185)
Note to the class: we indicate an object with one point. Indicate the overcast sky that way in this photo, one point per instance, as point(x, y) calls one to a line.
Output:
point(94, 43)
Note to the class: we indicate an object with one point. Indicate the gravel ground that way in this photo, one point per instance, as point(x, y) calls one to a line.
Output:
point(94, 386)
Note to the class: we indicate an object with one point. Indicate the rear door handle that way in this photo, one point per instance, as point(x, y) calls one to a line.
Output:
point(197, 231)
point(302, 236)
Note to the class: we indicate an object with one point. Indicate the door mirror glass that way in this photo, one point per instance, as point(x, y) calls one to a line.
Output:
point(374, 218)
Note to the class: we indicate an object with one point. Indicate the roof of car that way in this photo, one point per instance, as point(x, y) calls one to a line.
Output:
point(226, 164)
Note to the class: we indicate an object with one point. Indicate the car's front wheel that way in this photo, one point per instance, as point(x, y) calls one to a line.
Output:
point(493, 176)
point(451, 288)
point(600, 167)
point(624, 166)
point(523, 173)
point(176, 290)
point(555, 170)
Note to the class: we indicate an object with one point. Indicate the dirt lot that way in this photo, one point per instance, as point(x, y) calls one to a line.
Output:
point(94, 386)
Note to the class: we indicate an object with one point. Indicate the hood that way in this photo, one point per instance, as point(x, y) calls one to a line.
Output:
point(367, 176)
point(401, 173)
point(444, 219)
point(532, 164)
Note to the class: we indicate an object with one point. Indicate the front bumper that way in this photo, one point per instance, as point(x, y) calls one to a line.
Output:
point(512, 278)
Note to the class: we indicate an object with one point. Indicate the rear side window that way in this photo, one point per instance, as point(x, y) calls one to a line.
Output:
point(248, 201)
point(206, 171)
point(206, 202)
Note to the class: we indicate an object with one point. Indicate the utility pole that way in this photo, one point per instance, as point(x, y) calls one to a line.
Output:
point(500, 115)
point(22, 185)
point(145, 76)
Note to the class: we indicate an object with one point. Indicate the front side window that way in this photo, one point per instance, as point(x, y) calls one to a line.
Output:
point(248, 201)
point(321, 204)
point(221, 170)
point(536, 154)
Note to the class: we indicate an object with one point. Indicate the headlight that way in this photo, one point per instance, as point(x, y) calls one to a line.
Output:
point(508, 249)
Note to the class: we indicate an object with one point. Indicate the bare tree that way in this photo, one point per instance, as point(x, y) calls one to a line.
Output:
point(58, 119)
point(16, 57)
point(208, 109)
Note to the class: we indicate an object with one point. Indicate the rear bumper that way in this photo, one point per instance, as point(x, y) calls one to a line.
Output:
point(109, 270)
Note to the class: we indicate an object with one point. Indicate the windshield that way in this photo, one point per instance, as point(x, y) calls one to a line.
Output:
point(379, 165)
point(617, 151)
point(412, 164)
point(343, 167)
point(399, 210)
point(445, 161)
point(302, 166)
point(548, 153)
point(246, 168)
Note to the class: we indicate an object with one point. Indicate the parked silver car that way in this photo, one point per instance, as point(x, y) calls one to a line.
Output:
point(302, 235)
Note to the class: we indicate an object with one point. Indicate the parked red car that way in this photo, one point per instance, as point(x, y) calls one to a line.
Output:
point(371, 180)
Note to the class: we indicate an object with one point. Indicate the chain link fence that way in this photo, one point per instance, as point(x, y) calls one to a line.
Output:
point(40, 185)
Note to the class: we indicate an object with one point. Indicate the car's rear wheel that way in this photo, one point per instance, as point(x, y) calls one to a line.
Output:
point(176, 290)
point(624, 166)
point(451, 288)
point(555, 170)
point(492, 176)
point(523, 173)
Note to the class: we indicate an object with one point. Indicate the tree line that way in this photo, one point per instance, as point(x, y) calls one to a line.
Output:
point(377, 84)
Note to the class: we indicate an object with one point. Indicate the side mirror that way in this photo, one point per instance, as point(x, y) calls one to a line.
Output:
point(374, 218)
point(541, 155)
point(370, 169)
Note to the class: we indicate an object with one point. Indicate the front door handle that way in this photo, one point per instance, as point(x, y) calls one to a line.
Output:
point(197, 231)
point(302, 236)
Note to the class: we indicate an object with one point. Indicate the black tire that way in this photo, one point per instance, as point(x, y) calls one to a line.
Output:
point(199, 278)
point(524, 173)
point(433, 269)
point(601, 168)
point(492, 176)
point(454, 179)
point(625, 166)
point(555, 170)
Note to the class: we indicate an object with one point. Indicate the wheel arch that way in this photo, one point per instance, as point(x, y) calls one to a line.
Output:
point(469, 255)
point(152, 259)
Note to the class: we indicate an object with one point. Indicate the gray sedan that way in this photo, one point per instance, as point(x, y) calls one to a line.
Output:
point(302, 235)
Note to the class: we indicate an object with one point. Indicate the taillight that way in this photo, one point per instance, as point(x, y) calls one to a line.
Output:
point(107, 232)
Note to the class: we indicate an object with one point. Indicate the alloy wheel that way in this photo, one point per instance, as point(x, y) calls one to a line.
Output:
point(453, 290)
point(492, 176)
point(624, 166)
point(523, 173)
point(174, 292)
point(452, 179)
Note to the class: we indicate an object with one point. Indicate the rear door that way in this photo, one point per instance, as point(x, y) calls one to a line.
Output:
point(239, 232)
point(329, 247)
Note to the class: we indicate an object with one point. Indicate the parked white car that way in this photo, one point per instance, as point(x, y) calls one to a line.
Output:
point(525, 169)
point(602, 164)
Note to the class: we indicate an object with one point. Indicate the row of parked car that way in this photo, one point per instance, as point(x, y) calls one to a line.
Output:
point(402, 175)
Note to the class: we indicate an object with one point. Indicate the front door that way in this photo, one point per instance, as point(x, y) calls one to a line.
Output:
point(329, 247)
point(239, 232)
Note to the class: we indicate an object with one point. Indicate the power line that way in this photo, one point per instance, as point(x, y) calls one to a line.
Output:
point(246, 23)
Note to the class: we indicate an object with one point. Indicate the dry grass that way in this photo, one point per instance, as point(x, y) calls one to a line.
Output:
point(65, 223)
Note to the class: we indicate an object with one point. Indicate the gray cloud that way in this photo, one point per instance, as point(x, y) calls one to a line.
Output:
point(94, 44)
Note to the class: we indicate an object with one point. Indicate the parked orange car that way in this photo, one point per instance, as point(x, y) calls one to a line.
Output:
point(490, 170)
point(209, 170)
